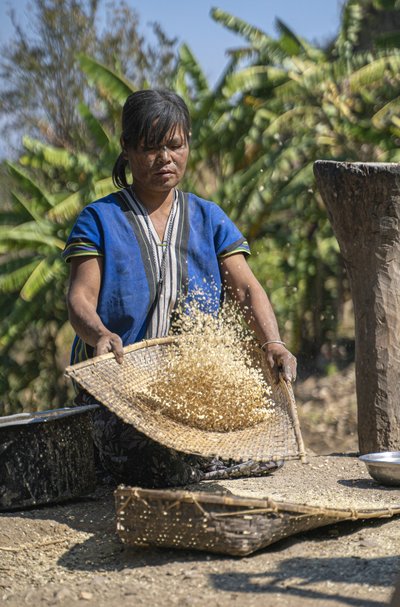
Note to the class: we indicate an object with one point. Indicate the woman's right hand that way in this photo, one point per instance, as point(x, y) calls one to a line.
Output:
point(110, 343)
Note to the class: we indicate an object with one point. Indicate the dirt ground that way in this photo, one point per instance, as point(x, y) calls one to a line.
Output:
point(69, 554)
point(327, 410)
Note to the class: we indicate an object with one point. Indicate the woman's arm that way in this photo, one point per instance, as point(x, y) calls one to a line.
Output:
point(82, 298)
point(256, 308)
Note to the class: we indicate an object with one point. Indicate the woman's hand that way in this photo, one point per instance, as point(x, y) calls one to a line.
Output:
point(110, 343)
point(242, 285)
point(281, 362)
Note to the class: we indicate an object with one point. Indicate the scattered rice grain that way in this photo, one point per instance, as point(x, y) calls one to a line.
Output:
point(209, 379)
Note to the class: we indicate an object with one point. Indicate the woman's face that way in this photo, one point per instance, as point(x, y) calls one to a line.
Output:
point(161, 168)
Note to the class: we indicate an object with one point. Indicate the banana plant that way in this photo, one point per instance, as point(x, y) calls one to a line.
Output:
point(279, 104)
point(50, 186)
point(289, 104)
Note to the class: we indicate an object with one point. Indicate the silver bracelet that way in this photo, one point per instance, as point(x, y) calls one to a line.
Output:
point(273, 341)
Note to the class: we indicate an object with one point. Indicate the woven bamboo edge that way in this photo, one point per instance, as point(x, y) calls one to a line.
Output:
point(296, 424)
point(145, 343)
point(254, 504)
point(70, 371)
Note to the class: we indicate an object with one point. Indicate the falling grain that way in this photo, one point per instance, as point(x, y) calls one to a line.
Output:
point(209, 380)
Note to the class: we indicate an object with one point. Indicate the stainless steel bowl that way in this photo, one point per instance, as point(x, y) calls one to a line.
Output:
point(383, 467)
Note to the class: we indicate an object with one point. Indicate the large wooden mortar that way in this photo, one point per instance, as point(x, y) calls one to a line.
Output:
point(363, 203)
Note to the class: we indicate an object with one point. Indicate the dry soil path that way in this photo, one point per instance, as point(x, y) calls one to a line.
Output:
point(70, 554)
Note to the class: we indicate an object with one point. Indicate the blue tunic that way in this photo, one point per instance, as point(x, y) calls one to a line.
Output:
point(108, 228)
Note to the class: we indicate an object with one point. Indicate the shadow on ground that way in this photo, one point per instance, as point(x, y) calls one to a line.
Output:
point(266, 572)
point(292, 576)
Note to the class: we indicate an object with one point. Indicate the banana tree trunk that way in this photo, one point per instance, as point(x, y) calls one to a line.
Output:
point(363, 203)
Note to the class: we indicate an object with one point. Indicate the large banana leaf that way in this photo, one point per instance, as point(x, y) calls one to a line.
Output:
point(44, 272)
point(252, 34)
point(29, 236)
point(14, 273)
point(60, 158)
point(191, 67)
point(32, 210)
point(351, 22)
point(94, 126)
point(386, 113)
point(112, 85)
point(68, 208)
point(71, 205)
point(253, 78)
point(375, 71)
point(29, 185)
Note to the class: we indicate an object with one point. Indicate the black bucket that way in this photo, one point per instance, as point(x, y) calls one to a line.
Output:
point(46, 457)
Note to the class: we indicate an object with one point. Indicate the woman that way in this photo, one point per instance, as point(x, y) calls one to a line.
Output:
point(133, 254)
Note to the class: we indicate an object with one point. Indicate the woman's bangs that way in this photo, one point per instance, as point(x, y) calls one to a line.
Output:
point(158, 127)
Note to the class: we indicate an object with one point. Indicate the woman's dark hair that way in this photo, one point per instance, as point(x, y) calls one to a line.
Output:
point(147, 117)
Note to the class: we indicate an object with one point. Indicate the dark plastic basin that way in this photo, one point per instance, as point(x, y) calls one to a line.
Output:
point(46, 457)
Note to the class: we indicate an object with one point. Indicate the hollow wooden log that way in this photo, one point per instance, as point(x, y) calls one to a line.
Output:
point(363, 204)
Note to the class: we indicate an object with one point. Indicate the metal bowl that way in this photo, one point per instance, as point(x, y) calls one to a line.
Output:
point(383, 467)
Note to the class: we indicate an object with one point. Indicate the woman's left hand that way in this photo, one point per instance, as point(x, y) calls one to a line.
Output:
point(281, 362)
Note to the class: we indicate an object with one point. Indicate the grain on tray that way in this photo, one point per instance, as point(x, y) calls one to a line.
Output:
point(339, 482)
point(209, 380)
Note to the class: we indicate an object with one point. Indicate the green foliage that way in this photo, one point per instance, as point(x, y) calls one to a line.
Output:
point(270, 119)
point(114, 86)
point(69, 148)
point(49, 191)
point(280, 104)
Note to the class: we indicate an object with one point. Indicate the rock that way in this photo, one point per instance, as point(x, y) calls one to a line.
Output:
point(85, 595)
point(62, 594)
point(369, 543)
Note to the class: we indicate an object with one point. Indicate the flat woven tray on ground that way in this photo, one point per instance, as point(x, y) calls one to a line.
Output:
point(217, 523)
point(114, 385)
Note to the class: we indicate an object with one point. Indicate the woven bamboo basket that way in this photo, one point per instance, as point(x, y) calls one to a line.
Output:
point(120, 386)
point(217, 523)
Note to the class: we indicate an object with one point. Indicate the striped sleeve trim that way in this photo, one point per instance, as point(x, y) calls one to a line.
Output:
point(80, 352)
point(240, 246)
point(80, 248)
